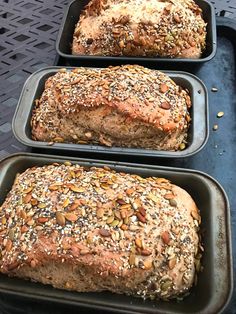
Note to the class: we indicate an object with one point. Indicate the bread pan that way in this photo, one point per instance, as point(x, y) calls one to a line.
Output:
point(71, 17)
point(214, 286)
point(197, 135)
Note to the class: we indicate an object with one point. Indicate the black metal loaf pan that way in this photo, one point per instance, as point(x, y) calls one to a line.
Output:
point(71, 17)
point(214, 287)
point(197, 135)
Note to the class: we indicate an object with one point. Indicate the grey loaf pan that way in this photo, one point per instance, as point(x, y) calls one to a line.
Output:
point(197, 135)
point(71, 17)
point(214, 287)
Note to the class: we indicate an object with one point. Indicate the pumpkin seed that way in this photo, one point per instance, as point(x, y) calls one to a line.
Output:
point(169, 196)
point(11, 234)
point(126, 206)
point(146, 252)
point(117, 214)
point(73, 206)
point(100, 212)
point(162, 180)
point(24, 229)
point(67, 163)
point(165, 105)
point(120, 223)
point(220, 114)
point(84, 251)
point(115, 223)
point(138, 242)
point(121, 201)
point(124, 227)
point(42, 219)
point(166, 285)
point(132, 259)
point(104, 232)
point(30, 222)
point(164, 88)
point(130, 191)
point(141, 217)
point(60, 218)
point(77, 189)
point(105, 186)
point(89, 239)
point(165, 237)
point(53, 187)
point(153, 197)
point(27, 198)
point(148, 263)
point(142, 211)
point(110, 220)
point(29, 189)
point(8, 245)
point(126, 220)
point(23, 214)
point(42, 205)
point(173, 202)
point(71, 217)
point(66, 203)
point(34, 202)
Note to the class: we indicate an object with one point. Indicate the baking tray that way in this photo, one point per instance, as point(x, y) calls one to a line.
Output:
point(217, 158)
point(214, 287)
point(197, 134)
point(71, 17)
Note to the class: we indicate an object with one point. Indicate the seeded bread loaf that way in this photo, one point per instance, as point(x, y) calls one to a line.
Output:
point(124, 106)
point(173, 29)
point(96, 229)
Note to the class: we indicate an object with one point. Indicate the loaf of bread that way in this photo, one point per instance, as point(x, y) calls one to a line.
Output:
point(94, 229)
point(151, 28)
point(124, 106)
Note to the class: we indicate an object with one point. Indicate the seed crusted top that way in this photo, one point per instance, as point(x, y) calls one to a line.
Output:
point(122, 224)
point(141, 28)
point(136, 92)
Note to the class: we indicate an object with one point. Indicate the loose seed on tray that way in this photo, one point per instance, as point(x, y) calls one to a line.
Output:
point(220, 114)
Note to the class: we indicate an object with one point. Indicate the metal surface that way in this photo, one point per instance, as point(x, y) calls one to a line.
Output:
point(218, 156)
point(214, 286)
point(38, 21)
point(72, 15)
point(197, 135)
point(28, 30)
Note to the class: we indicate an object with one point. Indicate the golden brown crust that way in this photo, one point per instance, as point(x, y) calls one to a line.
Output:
point(140, 28)
point(128, 106)
point(63, 223)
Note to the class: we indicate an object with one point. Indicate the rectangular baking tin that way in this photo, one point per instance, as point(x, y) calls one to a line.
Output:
point(71, 17)
point(197, 134)
point(214, 287)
